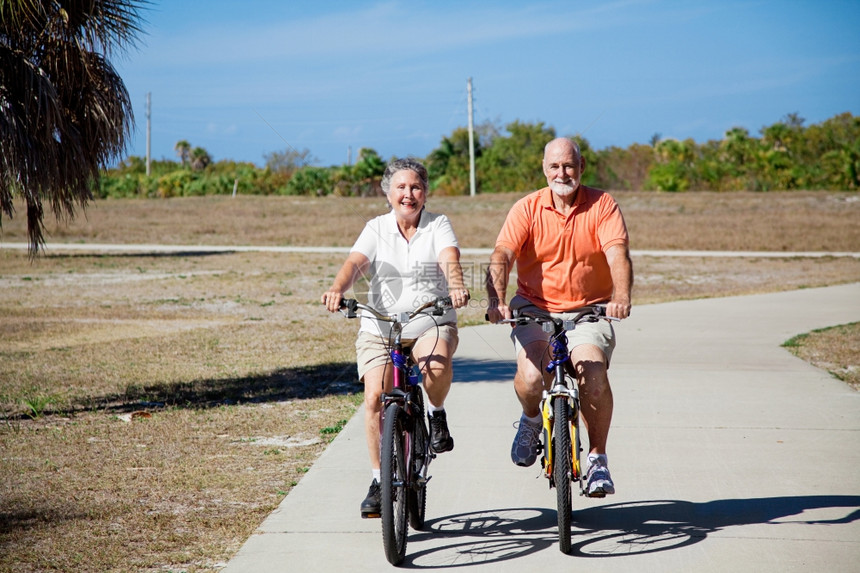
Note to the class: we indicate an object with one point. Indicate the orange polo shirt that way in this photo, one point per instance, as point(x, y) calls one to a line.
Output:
point(561, 263)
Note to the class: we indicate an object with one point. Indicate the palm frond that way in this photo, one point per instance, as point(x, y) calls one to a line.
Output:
point(65, 111)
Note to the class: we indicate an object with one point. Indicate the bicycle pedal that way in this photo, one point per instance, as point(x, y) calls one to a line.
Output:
point(371, 515)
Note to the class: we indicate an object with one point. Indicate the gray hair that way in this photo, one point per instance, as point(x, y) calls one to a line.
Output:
point(396, 165)
point(576, 151)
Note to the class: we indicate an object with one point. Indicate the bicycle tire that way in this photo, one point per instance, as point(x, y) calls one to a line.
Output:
point(394, 476)
point(576, 460)
point(562, 471)
point(416, 495)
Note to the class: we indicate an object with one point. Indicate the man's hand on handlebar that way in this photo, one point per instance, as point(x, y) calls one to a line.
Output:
point(499, 312)
point(618, 309)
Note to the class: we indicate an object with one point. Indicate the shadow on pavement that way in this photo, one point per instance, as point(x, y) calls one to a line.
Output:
point(616, 530)
point(473, 370)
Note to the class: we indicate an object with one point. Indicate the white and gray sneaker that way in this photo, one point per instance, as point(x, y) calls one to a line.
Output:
point(524, 450)
point(598, 482)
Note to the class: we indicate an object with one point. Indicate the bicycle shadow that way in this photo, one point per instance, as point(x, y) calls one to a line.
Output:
point(615, 530)
point(502, 534)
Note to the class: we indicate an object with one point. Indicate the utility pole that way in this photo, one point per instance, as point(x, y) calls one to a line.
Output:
point(148, 131)
point(471, 143)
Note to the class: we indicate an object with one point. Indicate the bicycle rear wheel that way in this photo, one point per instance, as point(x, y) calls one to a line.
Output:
point(561, 469)
point(393, 465)
point(416, 494)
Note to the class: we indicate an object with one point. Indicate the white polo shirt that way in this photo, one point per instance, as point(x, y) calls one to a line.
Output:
point(403, 274)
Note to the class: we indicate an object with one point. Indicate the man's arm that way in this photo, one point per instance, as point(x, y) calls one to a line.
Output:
point(621, 269)
point(501, 262)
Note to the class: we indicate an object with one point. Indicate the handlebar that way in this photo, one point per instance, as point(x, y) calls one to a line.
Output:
point(438, 307)
point(590, 314)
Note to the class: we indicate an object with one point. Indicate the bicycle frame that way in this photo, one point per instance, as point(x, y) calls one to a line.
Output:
point(406, 392)
point(563, 390)
point(560, 413)
point(406, 388)
point(404, 438)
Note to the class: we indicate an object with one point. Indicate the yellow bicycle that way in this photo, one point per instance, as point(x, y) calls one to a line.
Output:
point(561, 447)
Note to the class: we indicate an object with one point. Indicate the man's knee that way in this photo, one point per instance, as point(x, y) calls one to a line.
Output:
point(593, 378)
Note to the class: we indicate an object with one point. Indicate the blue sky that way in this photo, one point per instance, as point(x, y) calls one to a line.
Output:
point(243, 79)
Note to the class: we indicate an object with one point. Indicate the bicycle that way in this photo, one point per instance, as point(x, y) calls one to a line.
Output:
point(405, 443)
point(561, 447)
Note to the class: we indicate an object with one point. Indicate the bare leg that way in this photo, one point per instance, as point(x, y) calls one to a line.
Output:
point(595, 394)
point(530, 380)
point(372, 409)
point(438, 373)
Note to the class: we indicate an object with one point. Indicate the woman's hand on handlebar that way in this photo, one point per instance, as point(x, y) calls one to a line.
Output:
point(459, 297)
point(332, 299)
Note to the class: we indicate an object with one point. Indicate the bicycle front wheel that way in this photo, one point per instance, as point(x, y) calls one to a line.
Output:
point(416, 494)
point(394, 483)
point(562, 470)
point(419, 458)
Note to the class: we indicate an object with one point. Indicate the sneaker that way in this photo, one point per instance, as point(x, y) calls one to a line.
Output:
point(440, 438)
point(598, 482)
point(372, 504)
point(524, 450)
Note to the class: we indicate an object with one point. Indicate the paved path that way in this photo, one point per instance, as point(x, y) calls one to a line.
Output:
point(728, 454)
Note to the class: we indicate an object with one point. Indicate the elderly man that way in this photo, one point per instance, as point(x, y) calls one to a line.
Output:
point(571, 248)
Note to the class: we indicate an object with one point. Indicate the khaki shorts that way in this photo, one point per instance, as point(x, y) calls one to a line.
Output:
point(372, 350)
point(599, 334)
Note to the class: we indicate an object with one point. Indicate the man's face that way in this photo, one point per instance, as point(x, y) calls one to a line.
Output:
point(563, 169)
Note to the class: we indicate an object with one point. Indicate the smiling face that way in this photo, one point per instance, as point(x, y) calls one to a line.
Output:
point(563, 166)
point(407, 195)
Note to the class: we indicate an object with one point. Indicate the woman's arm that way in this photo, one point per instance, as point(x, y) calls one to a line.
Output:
point(355, 264)
point(449, 261)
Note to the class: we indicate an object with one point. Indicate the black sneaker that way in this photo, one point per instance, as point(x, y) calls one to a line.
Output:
point(372, 504)
point(440, 438)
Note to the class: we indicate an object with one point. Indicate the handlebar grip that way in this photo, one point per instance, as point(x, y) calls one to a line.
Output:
point(441, 305)
point(351, 305)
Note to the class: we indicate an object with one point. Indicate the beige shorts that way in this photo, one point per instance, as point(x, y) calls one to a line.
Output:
point(599, 334)
point(372, 350)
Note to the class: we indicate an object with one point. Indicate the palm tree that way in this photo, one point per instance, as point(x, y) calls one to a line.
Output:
point(199, 158)
point(183, 150)
point(64, 111)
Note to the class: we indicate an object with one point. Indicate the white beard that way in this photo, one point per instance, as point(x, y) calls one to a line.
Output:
point(562, 189)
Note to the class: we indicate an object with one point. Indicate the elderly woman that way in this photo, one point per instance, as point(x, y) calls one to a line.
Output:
point(409, 256)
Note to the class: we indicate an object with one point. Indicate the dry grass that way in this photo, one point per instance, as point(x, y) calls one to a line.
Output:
point(834, 349)
point(223, 353)
point(799, 220)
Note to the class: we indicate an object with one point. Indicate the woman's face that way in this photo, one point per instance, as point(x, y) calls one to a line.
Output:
point(406, 194)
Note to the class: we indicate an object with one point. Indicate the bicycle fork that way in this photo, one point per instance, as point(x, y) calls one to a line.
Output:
point(570, 394)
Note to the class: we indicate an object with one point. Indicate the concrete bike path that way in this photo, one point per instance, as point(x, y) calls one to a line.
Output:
point(728, 454)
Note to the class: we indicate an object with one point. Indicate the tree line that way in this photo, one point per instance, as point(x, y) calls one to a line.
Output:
point(786, 155)
point(67, 114)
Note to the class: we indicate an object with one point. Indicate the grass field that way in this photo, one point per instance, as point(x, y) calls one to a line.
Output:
point(156, 407)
